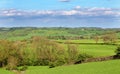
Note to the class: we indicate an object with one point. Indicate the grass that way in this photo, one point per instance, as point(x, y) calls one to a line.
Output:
point(2, 71)
point(89, 46)
point(97, 50)
point(106, 67)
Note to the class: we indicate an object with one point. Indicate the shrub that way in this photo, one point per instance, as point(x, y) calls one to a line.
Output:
point(23, 68)
point(12, 63)
point(52, 65)
point(73, 53)
point(82, 57)
point(118, 51)
point(11, 67)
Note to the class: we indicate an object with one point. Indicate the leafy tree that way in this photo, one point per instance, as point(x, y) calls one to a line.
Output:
point(96, 38)
point(109, 37)
point(72, 53)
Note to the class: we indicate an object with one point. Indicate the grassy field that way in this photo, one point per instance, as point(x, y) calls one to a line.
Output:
point(2, 71)
point(87, 46)
point(97, 50)
point(106, 67)
point(93, 49)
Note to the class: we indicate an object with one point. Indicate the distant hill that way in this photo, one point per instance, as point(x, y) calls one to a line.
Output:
point(21, 33)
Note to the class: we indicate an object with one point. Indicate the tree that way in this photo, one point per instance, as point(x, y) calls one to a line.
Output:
point(96, 38)
point(4, 51)
point(110, 37)
point(46, 51)
point(72, 53)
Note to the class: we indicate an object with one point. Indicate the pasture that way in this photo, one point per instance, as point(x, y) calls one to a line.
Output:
point(106, 67)
point(85, 45)
point(88, 46)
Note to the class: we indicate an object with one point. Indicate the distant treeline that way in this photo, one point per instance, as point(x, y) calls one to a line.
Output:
point(55, 32)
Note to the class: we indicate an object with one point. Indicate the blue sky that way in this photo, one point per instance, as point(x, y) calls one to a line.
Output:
point(57, 4)
point(60, 13)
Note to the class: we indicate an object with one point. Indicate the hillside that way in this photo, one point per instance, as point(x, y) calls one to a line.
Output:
point(106, 67)
point(21, 33)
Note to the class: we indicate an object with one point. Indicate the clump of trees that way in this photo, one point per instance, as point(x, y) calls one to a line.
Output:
point(37, 51)
point(110, 37)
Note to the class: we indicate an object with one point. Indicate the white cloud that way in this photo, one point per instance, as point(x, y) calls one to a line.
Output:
point(80, 12)
point(99, 9)
point(77, 7)
point(86, 16)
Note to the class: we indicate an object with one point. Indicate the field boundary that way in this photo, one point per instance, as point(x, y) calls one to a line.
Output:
point(87, 43)
point(98, 59)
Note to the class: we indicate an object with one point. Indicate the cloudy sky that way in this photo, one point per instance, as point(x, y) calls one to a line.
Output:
point(60, 13)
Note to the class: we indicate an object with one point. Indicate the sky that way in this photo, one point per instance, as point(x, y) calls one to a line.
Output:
point(60, 13)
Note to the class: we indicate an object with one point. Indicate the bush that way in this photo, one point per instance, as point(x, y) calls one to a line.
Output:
point(73, 53)
point(23, 68)
point(118, 51)
point(56, 63)
point(11, 68)
point(52, 65)
point(43, 62)
point(82, 57)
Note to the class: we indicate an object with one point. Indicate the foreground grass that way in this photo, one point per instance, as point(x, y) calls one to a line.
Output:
point(3, 71)
point(106, 67)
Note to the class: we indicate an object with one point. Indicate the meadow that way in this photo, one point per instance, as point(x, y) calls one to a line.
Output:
point(106, 67)
point(82, 38)
point(89, 46)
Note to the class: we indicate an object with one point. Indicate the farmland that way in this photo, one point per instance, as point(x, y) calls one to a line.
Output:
point(59, 48)
point(107, 67)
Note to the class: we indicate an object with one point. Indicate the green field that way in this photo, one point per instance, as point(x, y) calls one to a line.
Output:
point(2, 71)
point(97, 50)
point(85, 45)
point(93, 49)
point(106, 67)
